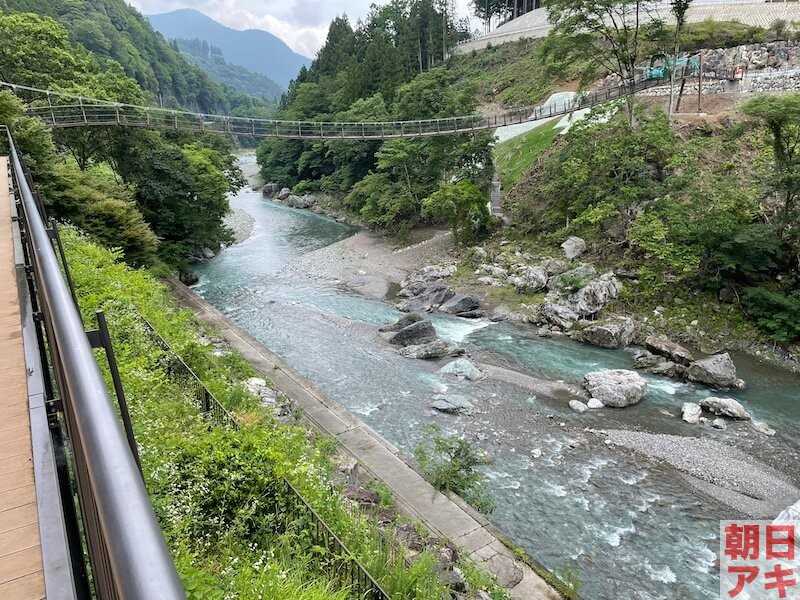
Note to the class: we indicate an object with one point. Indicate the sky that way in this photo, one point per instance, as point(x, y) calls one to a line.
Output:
point(303, 25)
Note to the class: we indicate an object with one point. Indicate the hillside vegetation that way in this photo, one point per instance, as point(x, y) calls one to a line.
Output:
point(212, 61)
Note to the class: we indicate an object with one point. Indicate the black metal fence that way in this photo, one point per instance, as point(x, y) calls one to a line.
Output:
point(127, 554)
point(205, 401)
point(291, 510)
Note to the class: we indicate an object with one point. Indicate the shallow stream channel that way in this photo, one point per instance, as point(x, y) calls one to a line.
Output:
point(631, 527)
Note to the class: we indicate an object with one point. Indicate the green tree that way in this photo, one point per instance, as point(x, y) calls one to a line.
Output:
point(464, 205)
point(604, 35)
point(781, 114)
point(678, 8)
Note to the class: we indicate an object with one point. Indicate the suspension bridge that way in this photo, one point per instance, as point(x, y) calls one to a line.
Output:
point(58, 110)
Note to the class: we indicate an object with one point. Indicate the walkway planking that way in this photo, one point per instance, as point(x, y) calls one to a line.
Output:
point(21, 574)
point(415, 497)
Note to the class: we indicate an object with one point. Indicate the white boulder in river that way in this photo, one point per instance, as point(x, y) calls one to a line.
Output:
point(463, 369)
point(691, 412)
point(616, 388)
point(578, 406)
point(726, 407)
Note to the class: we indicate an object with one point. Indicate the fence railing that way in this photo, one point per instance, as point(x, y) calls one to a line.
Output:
point(289, 506)
point(72, 111)
point(126, 550)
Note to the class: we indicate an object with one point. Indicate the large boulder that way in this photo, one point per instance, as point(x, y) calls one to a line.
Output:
point(402, 323)
point(529, 279)
point(566, 280)
point(662, 346)
point(453, 404)
point(691, 412)
point(463, 369)
point(306, 201)
point(573, 247)
point(460, 303)
point(418, 333)
point(616, 388)
point(613, 333)
point(431, 350)
point(493, 271)
point(726, 407)
point(716, 371)
point(564, 306)
point(270, 189)
point(284, 194)
point(427, 298)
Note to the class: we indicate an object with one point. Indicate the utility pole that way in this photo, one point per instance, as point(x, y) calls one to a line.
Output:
point(700, 86)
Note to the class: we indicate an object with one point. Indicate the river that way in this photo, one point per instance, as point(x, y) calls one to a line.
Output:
point(632, 528)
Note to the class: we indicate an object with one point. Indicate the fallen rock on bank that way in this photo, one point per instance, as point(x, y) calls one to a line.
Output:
point(613, 333)
point(453, 404)
point(726, 407)
point(463, 369)
point(415, 334)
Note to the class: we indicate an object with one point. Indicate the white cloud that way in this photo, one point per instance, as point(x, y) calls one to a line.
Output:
point(302, 25)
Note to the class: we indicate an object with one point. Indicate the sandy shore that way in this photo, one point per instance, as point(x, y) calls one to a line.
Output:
point(367, 263)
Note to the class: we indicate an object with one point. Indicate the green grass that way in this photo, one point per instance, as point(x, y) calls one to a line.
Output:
point(510, 74)
point(516, 156)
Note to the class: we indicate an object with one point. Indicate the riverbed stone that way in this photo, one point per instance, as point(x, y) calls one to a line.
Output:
point(463, 369)
point(284, 194)
point(663, 346)
point(578, 406)
point(727, 407)
point(453, 404)
point(616, 388)
point(594, 404)
point(418, 333)
point(717, 371)
point(573, 247)
point(460, 303)
point(428, 298)
point(402, 323)
point(306, 201)
point(612, 333)
point(719, 423)
point(762, 427)
point(691, 412)
point(189, 278)
point(432, 350)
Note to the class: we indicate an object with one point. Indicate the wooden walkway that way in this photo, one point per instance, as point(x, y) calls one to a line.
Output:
point(21, 574)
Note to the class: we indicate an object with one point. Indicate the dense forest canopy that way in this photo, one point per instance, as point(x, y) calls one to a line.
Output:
point(391, 66)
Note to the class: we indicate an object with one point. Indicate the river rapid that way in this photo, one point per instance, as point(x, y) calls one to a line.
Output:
point(631, 527)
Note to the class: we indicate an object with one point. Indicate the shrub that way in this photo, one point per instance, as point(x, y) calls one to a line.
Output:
point(775, 312)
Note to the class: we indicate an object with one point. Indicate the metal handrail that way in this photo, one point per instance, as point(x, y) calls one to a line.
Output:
point(127, 552)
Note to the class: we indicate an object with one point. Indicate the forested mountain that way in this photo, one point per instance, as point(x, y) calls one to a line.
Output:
point(389, 67)
point(211, 59)
point(159, 198)
point(112, 30)
point(254, 49)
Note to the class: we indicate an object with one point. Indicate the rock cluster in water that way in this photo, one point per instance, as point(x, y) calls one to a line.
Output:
point(417, 338)
point(285, 196)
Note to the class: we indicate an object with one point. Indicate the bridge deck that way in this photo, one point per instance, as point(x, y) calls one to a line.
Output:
point(21, 574)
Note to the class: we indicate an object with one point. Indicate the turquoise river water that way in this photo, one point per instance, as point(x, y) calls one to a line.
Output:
point(632, 528)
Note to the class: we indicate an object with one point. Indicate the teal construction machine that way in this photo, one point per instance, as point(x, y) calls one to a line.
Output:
point(661, 66)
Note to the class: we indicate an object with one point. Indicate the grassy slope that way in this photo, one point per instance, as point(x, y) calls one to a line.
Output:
point(509, 75)
point(515, 156)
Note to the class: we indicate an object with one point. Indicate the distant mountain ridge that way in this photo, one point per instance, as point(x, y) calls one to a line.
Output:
point(211, 59)
point(254, 49)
